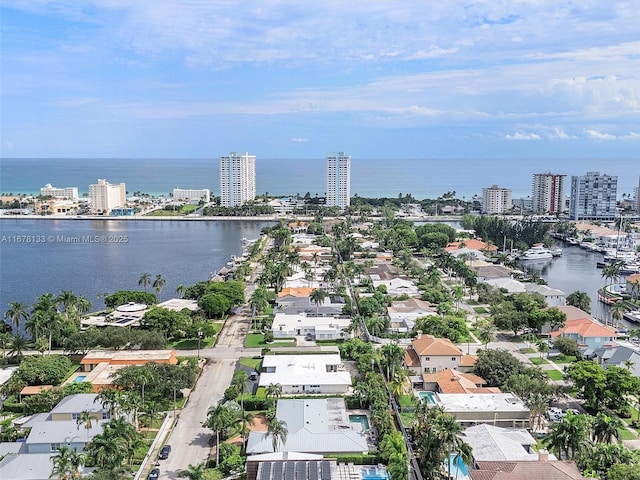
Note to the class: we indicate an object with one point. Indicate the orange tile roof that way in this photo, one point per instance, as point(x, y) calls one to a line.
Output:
point(550, 470)
point(471, 244)
point(633, 278)
point(573, 313)
point(453, 381)
point(299, 292)
point(586, 328)
point(35, 389)
point(411, 358)
point(468, 360)
point(428, 345)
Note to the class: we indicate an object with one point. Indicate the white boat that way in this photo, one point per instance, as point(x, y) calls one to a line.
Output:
point(556, 252)
point(536, 252)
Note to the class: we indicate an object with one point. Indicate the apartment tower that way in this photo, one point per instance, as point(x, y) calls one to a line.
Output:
point(496, 200)
point(548, 193)
point(593, 197)
point(105, 196)
point(338, 180)
point(237, 179)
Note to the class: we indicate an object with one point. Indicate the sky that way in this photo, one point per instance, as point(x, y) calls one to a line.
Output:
point(299, 79)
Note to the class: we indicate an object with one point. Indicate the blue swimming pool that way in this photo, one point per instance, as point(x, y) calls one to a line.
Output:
point(375, 473)
point(458, 468)
point(80, 378)
point(361, 419)
point(430, 396)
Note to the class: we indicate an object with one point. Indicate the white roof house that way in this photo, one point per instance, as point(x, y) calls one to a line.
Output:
point(509, 284)
point(500, 409)
point(553, 296)
point(322, 373)
point(35, 466)
point(314, 426)
point(320, 328)
point(403, 314)
point(495, 444)
point(396, 286)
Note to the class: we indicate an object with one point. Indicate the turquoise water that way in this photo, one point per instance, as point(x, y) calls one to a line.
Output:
point(361, 419)
point(458, 468)
point(430, 396)
point(374, 473)
point(80, 378)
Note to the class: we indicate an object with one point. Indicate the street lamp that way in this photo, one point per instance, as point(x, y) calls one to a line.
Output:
point(199, 338)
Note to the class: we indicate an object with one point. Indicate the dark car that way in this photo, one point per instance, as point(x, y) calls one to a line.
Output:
point(164, 452)
point(155, 474)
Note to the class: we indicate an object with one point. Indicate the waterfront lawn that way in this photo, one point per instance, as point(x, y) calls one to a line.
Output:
point(539, 361)
point(562, 358)
point(184, 210)
point(251, 362)
point(554, 374)
point(480, 310)
point(255, 340)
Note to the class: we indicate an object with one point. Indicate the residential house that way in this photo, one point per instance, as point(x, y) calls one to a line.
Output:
point(471, 244)
point(404, 313)
point(588, 333)
point(428, 354)
point(552, 296)
point(547, 470)
point(314, 426)
point(498, 409)
point(397, 287)
point(618, 355)
point(488, 271)
point(298, 300)
point(303, 466)
point(319, 328)
point(495, 444)
point(454, 381)
point(507, 284)
point(307, 374)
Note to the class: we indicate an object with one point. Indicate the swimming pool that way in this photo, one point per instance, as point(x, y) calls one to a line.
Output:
point(458, 468)
point(361, 419)
point(80, 378)
point(430, 396)
point(375, 473)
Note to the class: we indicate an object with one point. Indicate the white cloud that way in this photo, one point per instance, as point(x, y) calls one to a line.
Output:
point(598, 135)
point(299, 140)
point(523, 136)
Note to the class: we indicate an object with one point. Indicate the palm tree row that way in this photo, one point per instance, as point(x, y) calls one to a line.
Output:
point(158, 283)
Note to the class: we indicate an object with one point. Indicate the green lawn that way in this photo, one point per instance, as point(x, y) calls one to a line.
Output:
point(473, 302)
point(185, 210)
point(626, 434)
point(562, 358)
point(251, 362)
point(255, 340)
point(407, 418)
point(538, 361)
point(528, 350)
point(554, 374)
point(480, 310)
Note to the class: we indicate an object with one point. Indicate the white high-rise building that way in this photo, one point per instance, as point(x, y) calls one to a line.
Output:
point(638, 196)
point(237, 179)
point(338, 180)
point(105, 196)
point(548, 193)
point(496, 200)
point(191, 195)
point(593, 197)
point(68, 193)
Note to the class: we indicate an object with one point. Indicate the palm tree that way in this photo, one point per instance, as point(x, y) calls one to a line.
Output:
point(16, 313)
point(158, 284)
point(259, 300)
point(538, 404)
point(606, 428)
point(68, 301)
point(569, 435)
point(450, 435)
point(145, 280)
point(193, 472)
point(274, 390)
point(105, 452)
point(66, 463)
point(180, 290)
point(487, 333)
point(239, 382)
point(85, 418)
point(219, 418)
point(17, 347)
point(317, 297)
point(617, 309)
point(277, 430)
point(543, 347)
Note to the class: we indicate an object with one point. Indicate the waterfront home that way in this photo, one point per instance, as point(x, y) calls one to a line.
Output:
point(498, 409)
point(404, 313)
point(319, 426)
point(469, 253)
point(454, 381)
point(294, 301)
point(316, 328)
point(542, 469)
point(488, 271)
point(471, 244)
point(428, 354)
point(588, 333)
point(496, 444)
point(633, 285)
point(552, 296)
point(617, 355)
point(507, 284)
point(306, 374)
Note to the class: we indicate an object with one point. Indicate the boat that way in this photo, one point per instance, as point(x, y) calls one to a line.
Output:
point(632, 316)
point(556, 252)
point(536, 252)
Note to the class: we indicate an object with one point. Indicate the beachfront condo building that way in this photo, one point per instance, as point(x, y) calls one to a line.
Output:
point(593, 197)
point(191, 196)
point(66, 193)
point(237, 179)
point(106, 197)
point(338, 180)
point(548, 193)
point(496, 200)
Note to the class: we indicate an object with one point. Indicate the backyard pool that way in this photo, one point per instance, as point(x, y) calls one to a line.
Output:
point(375, 473)
point(80, 378)
point(457, 467)
point(430, 396)
point(361, 419)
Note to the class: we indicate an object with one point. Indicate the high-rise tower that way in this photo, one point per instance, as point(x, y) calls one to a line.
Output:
point(237, 179)
point(593, 197)
point(338, 180)
point(548, 193)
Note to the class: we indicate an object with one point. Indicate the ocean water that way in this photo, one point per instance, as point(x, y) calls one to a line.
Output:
point(423, 178)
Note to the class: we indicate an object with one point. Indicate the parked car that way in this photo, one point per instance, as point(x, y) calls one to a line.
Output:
point(155, 474)
point(253, 376)
point(308, 337)
point(164, 452)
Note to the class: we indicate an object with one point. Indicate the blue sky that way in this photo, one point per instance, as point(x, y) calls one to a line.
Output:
point(293, 79)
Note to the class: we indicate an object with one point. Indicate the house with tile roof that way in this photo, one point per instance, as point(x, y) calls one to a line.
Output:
point(454, 381)
point(588, 333)
point(471, 244)
point(547, 470)
point(429, 354)
point(403, 314)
